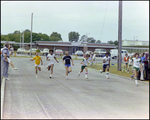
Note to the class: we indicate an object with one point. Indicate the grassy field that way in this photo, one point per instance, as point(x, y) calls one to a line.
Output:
point(113, 69)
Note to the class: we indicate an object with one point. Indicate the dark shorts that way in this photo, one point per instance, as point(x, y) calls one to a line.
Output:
point(82, 67)
point(68, 65)
point(105, 65)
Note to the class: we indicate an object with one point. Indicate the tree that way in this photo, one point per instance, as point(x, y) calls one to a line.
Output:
point(55, 37)
point(3, 37)
point(16, 32)
point(83, 38)
point(110, 42)
point(91, 40)
point(98, 41)
point(73, 36)
point(10, 37)
point(44, 37)
point(27, 31)
point(116, 42)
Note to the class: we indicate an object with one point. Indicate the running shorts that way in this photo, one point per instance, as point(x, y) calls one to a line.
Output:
point(82, 67)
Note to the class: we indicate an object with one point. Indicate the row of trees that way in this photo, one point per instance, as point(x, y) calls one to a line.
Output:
point(73, 36)
point(15, 36)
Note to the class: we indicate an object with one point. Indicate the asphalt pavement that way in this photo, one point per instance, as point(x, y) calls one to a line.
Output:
point(97, 97)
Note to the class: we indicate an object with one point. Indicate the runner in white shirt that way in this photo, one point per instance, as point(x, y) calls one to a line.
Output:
point(84, 63)
point(136, 66)
point(106, 64)
point(50, 57)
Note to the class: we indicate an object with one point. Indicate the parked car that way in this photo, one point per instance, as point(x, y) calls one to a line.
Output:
point(20, 50)
point(58, 52)
point(45, 51)
point(100, 52)
point(88, 52)
point(32, 52)
point(79, 52)
point(114, 53)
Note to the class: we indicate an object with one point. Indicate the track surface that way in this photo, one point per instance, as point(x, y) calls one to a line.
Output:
point(97, 97)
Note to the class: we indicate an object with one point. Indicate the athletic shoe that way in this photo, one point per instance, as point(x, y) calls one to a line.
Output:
point(50, 76)
point(132, 76)
point(66, 77)
point(36, 76)
point(78, 74)
point(137, 85)
point(100, 71)
point(7, 78)
point(122, 70)
point(15, 68)
point(126, 70)
point(86, 76)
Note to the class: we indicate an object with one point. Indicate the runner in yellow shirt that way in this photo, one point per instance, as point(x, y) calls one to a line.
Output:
point(37, 63)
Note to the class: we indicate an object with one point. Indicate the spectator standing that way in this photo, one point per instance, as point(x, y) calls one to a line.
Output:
point(5, 54)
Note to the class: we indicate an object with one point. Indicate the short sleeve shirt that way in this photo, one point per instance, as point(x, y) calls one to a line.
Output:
point(67, 59)
point(136, 62)
point(85, 62)
point(106, 58)
point(5, 51)
point(51, 57)
point(37, 60)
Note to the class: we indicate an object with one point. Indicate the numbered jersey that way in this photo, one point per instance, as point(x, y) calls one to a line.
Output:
point(136, 62)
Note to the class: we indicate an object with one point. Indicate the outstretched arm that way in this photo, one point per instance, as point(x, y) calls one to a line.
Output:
point(41, 62)
point(72, 61)
point(56, 59)
point(31, 59)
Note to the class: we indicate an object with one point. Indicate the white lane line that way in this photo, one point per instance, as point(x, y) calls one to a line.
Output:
point(2, 96)
point(41, 105)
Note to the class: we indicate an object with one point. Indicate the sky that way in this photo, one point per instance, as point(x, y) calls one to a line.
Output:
point(97, 19)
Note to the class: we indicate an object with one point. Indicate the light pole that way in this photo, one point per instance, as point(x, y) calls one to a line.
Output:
point(31, 34)
point(120, 36)
point(23, 40)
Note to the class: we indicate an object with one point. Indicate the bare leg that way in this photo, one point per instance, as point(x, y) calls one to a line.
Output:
point(39, 68)
point(52, 66)
point(66, 70)
point(36, 70)
point(70, 70)
point(12, 64)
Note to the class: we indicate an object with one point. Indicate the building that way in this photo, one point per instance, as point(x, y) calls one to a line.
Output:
point(134, 43)
point(72, 47)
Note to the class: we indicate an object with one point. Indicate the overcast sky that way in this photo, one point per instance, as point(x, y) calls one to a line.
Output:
point(99, 19)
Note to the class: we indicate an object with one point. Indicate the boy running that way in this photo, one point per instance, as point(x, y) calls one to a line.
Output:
point(84, 63)
point(136, 65)
point(50, 57)
point(67, 63)
point(106, 64)
point(37, 63)
point(126, 59)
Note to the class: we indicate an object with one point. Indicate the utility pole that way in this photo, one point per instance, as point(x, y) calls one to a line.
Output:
point(31, 34)
point(120, 36)
point(20, 38)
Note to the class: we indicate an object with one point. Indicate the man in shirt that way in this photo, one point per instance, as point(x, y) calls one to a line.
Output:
point(5, 55)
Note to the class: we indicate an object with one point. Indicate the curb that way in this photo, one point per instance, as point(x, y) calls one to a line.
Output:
point(2, 96)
